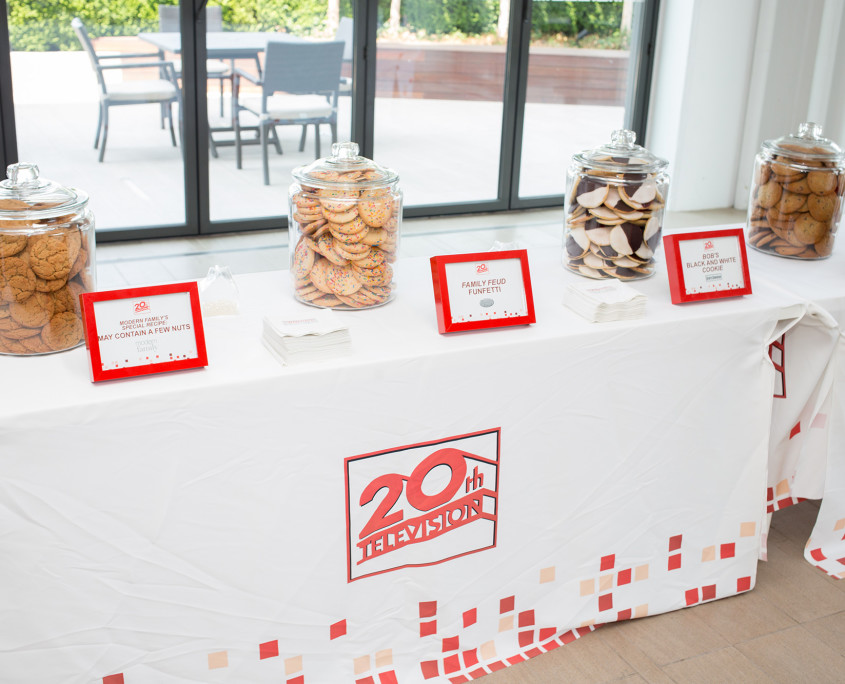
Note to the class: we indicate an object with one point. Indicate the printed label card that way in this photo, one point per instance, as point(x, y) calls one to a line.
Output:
point(482, 290)
point(707, 265)
point(143, 330)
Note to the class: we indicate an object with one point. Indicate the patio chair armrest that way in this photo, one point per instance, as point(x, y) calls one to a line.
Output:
point(167, 67)
point(252, 78)
point(129, 55)
point(136, 65)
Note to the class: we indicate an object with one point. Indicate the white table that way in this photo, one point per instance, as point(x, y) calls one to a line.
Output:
point(192, 527)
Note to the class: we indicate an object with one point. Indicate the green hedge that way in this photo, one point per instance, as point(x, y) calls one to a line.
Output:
point(42, 25)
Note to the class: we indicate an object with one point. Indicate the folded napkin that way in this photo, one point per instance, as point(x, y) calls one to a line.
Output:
point(605, 300)
point(312, 336)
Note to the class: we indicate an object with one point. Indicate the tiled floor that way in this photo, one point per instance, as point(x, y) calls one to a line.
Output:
point(789, 628)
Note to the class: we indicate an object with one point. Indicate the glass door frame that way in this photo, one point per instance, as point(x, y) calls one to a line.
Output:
point(195, 133)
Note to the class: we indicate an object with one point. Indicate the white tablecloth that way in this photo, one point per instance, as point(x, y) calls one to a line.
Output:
point(193, 526)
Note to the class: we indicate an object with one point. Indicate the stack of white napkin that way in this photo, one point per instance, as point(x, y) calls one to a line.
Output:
point(605, 300)
point(308, 336)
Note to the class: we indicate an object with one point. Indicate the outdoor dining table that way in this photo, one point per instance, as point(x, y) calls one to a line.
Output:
point(224, 45)
point(220, 44)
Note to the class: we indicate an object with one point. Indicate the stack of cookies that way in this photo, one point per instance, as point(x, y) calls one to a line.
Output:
point(45, 264)
point(613, 225)
point(345, 235)
point(795, 205)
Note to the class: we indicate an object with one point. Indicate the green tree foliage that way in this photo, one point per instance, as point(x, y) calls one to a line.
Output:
point(549, 17)
point(42, 25)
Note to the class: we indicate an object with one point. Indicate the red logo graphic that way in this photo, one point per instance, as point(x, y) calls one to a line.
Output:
point(481, 268)
point(404, 503)
point(141, 307)
point(708, 245)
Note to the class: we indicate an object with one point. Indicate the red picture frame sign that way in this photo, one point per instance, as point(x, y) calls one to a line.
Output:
point(482, 290)
point(143, 330)
point(703, 265)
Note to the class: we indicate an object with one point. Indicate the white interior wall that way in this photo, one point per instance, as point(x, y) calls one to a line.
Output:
point(732, 73)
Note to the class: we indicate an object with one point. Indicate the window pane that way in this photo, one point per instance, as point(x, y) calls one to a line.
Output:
point(246, 28)
point(59, 100)
point(440, 75)
point(577, 79)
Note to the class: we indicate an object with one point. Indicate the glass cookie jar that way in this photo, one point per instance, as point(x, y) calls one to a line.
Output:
point(345, 219)
point(46, 262)
point(796, 195)
point(615, 198)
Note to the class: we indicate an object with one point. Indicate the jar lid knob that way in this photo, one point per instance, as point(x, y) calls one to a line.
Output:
point(22, 174)
point(810, 131)
point(623, 138)
point(345, 150)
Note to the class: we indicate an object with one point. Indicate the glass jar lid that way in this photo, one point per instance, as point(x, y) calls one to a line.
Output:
point(807, 145)
point(25, 195)
point(621, 155)
point(345, 168)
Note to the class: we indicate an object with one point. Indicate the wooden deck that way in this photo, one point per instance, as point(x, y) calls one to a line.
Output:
point(556, 75)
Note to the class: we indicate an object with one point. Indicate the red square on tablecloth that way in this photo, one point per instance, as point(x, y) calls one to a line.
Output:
point(506, 604)
point(470, 657)
point(675, 542)
point(691, 596)
point(817, 555)
point(451, 664)
point(526, 638)
point(269, 649)
point(429, 669)
point(708, 593)
point(470, 617)
point(338, 629)
point(675, 561)
point(388, 677)
point(607, 562)
point(624, 577)
point(568, 637)
point(451, 644)
point(428, 628)
point(113, 679)
point(605, 601)
point(727, 550)
point(428, 609)
point(526, 618)
point(743, 584)
point(624, 615)
point(300, 679)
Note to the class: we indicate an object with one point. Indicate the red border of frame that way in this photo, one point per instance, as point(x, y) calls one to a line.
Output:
point(675, 269)
point(87, 300)
point(445, 324)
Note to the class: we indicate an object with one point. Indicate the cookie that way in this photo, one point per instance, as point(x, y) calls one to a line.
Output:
point(17, 280)
point(63, 331)
point(341, 280)
point(49, 256)
point(821, 182)
point(11, 244)
point(808, 230)
point(822, 207)
point(33, 312)
point(303, 260)
point(375, 207)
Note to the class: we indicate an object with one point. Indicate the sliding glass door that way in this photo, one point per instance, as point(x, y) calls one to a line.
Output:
point(90, 114)
point(478, 104)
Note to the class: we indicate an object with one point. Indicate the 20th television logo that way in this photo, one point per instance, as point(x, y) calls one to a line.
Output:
point(421, 504)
